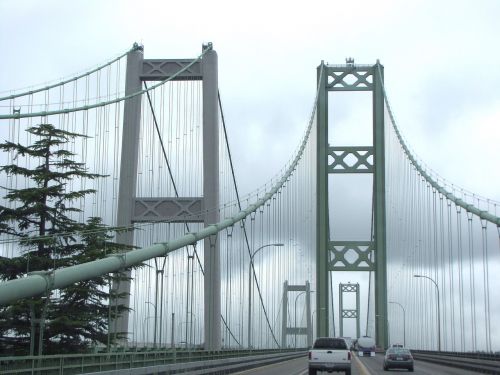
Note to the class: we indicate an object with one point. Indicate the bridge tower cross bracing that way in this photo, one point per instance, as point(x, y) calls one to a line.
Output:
point(371, 254)
point(175, 209)
point(348, 313)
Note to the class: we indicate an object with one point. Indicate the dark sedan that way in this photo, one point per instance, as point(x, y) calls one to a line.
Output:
point(398, 358)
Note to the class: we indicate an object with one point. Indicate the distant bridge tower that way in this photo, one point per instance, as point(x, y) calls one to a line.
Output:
point(133, 209)
point(348, 313)
point(303, 331)
point(330, 254)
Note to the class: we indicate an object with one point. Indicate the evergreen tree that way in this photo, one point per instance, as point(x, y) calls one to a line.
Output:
point(73, 318)
point(83, 309)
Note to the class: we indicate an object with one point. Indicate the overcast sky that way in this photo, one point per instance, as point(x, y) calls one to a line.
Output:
point(441, 66)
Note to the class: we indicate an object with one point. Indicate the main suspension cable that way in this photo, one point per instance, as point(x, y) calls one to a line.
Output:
point(62, 83)
point(18, 115)
point(449, 195)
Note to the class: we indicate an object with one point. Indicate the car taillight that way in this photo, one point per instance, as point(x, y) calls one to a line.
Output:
point(349, 356)
point(309, 355)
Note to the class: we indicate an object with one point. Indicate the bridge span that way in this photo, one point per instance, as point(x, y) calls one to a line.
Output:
point(126, 240)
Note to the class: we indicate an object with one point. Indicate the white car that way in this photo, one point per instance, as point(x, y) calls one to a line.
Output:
point(330, 354)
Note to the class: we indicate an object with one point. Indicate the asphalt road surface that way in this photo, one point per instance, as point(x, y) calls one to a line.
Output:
point(360, 366)
point(374, 365)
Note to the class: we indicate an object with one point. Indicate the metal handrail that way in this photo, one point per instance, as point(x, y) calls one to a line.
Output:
point(97, 362)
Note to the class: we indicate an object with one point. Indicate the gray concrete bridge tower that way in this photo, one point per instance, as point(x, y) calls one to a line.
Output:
point(301, 331)
point(139, 209)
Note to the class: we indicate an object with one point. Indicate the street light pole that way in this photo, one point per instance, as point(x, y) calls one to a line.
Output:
point(156, 319)
point(250, 266)
point(404, 321)
point(295, 316)
point(192, 338)
point(159, 274)
point(312, 324)
point(438, 308)
point(295, 320)
point(144, 330)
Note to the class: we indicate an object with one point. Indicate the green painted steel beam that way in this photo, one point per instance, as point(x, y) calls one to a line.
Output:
point(379, 214)
point(322, 229)
point(360, 77)
point(363, 250)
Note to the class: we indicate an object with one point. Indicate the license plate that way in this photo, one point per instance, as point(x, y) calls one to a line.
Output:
point(399, 358)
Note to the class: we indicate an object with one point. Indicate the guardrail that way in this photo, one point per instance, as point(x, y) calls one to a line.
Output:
point(486, 363)
point(144, 362)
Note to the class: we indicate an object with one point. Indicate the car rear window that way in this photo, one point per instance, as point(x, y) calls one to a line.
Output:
point(401, 351)
point(330, 343)
point(398, 351)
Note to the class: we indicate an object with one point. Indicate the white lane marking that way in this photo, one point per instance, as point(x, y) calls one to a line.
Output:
point(361, 367)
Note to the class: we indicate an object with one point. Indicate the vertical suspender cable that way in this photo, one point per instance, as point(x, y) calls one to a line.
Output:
point(443, 269)
point(472, 285)
point(486, 285)
point(460, 277)
point(451, 275)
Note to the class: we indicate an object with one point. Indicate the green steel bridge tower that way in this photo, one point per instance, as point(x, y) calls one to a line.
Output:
point(371, 254)
point(348, 313)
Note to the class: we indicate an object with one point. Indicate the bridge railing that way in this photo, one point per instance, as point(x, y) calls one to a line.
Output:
point(488, 363)
point(115, 361)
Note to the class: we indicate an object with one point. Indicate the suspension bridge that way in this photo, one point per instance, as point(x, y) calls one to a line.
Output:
point(218, 274)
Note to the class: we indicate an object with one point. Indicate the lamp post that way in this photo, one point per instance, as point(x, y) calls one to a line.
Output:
point(192, 338)
point(404, 321)
point(189, 339)
point(156, 320)
point(144, 329)
point(295, 319)
point(179, 328)
point(438, 309)
point(312, 323)
point(295, 316)
point(160, 271)
point(250, 266)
